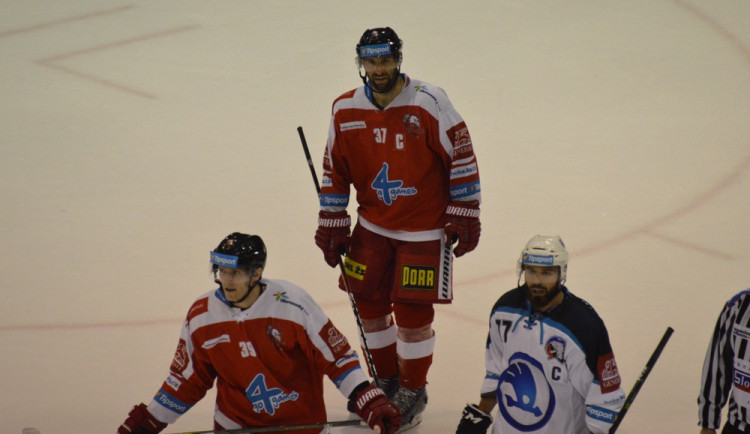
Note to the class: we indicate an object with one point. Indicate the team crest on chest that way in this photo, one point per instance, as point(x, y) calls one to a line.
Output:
point(555, 348)
point(413, 126)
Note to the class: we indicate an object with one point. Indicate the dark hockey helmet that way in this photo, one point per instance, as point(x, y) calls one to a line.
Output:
point(239, 250)
point(380, 41)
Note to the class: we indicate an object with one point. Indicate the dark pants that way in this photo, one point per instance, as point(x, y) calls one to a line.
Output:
point(729, 429)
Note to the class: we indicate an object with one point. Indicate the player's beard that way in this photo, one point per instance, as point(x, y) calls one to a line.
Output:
point(540, 300)
point(385, 87)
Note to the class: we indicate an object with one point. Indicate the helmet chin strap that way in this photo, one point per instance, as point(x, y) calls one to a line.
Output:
point(368, 83)
point(247, 294)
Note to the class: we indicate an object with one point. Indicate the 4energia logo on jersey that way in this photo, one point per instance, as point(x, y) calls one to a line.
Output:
point(525, 397)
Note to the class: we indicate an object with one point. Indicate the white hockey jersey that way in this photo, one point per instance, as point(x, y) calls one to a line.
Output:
point(552, 372)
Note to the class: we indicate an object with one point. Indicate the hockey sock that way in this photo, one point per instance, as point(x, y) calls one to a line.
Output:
point(414, 360)
point(382, 346)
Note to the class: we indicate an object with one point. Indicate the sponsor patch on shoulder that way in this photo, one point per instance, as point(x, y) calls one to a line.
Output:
point(335, 340)
point(609, 376)
point(180, 360)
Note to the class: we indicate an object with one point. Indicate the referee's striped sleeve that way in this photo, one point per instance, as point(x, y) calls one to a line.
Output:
point(717, 375)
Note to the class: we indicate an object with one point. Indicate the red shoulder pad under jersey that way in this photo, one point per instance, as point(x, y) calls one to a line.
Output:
point(199, 307)
point(344, 95)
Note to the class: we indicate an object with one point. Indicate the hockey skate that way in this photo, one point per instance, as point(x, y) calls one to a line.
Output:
point(389, 385)
point(411, 403)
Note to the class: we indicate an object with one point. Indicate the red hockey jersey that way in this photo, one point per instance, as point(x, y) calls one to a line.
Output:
point(406, 161)
point(268, 360)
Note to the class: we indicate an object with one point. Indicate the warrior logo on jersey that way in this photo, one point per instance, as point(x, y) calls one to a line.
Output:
point(180, 360)
point(389, 190)
point(265, 399)
point(413, 126)
point(610, 377)
point(555, 348)
point(524, 395)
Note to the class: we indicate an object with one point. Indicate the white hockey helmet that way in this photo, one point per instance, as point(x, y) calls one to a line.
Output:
point(544, 250)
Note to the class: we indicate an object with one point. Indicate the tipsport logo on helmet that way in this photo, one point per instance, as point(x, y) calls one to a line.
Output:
point(530, 259)
point(525, 397)
point(223, 260)
point(375, 50)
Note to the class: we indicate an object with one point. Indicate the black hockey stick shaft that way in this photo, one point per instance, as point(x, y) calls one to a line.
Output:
point(641, 379)
point(368, 355)
point(355, 422)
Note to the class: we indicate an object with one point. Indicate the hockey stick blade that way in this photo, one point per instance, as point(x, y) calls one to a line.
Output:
point(333, 424)
point(641, 379)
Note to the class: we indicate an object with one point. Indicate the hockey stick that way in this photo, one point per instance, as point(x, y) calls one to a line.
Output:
point(354, 422)
point(641, 379)
point(368, 355)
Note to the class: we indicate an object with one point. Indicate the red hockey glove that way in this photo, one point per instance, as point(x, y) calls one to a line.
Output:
point(380, 414)
point(473, 421)
point(140, 421)
point(332, 235)
point(462, 224)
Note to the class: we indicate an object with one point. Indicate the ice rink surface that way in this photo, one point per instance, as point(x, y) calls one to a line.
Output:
point(137, 134)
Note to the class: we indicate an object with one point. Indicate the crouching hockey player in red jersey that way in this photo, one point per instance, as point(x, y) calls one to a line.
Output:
point(550, 367)
point(267, 344)
point(409, 155)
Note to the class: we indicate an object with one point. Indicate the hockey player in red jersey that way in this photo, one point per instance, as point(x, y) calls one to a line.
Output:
point(409, 156)
point(267, 345)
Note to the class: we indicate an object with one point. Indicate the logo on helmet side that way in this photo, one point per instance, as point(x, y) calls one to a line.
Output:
point(375, 50)
point(538, 259)
point(223, 260)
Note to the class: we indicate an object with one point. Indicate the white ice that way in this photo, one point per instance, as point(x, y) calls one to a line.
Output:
point(136, 134)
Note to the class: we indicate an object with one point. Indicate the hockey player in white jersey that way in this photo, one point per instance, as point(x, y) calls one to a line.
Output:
point(549, 364)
